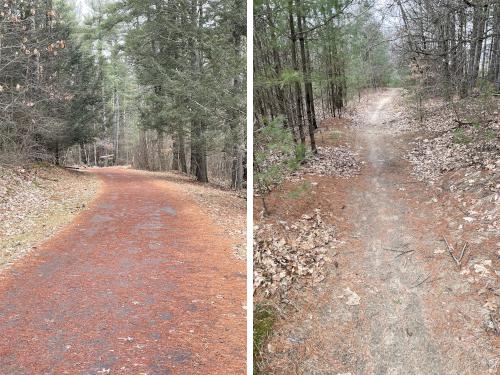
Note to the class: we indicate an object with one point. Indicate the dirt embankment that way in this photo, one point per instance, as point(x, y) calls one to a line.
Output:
point(35, 202)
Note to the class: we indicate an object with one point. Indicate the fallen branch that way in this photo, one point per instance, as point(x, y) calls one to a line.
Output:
point(391, 249)
point(494, 323)
point(463, 252)
point(47, 178)
point(450, 251)
point(458, 261)
point(460, 124)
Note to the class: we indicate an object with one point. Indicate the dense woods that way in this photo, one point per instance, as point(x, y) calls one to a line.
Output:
point(47, 82)
point(159, 85)
point(192, 85)
point(310, 57)
point(452, 46)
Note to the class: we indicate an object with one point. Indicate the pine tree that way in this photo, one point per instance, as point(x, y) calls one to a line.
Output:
point(48, 86)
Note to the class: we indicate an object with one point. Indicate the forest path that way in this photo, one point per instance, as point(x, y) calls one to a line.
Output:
point(395, 303)
point(142, 282)
point(399, 341)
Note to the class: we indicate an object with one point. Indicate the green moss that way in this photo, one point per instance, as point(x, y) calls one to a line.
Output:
point(263, 321)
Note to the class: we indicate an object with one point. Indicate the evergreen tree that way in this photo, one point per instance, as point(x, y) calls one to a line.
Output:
point(191, 85)
point(48, 85)
point(311, 53)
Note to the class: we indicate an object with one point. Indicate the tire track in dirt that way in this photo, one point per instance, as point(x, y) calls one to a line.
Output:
point(140, 283)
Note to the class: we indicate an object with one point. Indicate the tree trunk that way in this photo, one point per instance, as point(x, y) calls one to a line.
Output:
point(193, 166)
point(182, 151)
point(283, 107)
point(454, 72)
point(494, 63)
point(463, 59)
point(58, 162)
point(143, 150)
point(309, 100)
point(159, 145)
point(446, 58)
point(475, 45)
point(310, 87)
point(479, 44)
point(198, 142)
point(116, 117)
point(198, 153)
point(298, 89)
point(237, 162)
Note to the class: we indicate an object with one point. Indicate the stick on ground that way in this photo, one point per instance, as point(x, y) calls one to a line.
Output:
point(451, 250)
point(423, 281)
point(404, 252)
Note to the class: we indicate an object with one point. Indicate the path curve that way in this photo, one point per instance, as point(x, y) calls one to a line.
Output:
point(142, 282)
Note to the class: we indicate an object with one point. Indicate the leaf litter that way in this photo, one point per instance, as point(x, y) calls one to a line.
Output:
point(288, 255)
point(462, 159)
point(338, 161)
point(35, 202)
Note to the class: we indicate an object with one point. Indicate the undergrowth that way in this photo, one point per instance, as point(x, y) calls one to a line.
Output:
point(264, 318)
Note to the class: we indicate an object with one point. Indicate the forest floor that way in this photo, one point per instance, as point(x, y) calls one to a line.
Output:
point(36, 201)
point(391, 299)
point(143, 281)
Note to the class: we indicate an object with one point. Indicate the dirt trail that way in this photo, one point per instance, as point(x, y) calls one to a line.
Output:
point(399, 339)
point(140, 283)
point(394, 305)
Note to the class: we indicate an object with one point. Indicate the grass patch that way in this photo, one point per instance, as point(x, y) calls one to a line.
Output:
point(264, 317)
point(490, 135)
point(299, 191)
point(460, 137)
point(42, 165)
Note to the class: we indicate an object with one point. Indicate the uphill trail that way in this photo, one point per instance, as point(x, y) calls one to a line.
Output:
point(395, 302)
point(142, 282)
